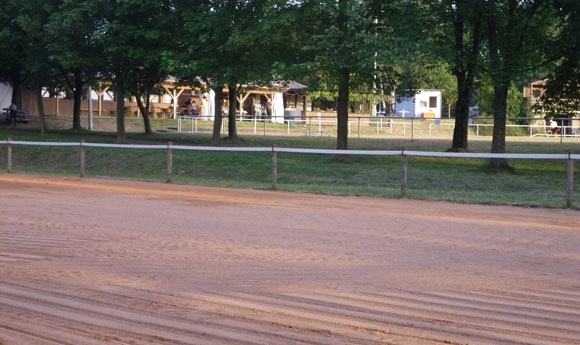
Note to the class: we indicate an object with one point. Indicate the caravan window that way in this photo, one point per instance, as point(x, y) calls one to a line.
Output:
point(432, 102)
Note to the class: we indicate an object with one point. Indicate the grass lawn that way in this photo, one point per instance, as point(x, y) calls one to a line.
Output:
point(532, 183)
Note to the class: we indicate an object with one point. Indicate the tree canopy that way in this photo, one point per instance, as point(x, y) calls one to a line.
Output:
point(336, 46)
point(562, 96)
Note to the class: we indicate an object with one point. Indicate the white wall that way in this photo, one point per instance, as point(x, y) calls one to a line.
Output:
point(405, 107)
point(5, 96)
point(278, 108)
point(425, 101)
point(428, 101)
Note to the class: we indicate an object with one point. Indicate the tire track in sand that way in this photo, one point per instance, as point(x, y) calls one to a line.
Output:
point(398, 317)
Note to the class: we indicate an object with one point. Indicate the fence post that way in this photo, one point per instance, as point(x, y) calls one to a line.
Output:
point(404, 160)
point(83, 158)
point(169, 162)
point(274, 176)
point(9, 157)
point(264, 126)
point(570, 182)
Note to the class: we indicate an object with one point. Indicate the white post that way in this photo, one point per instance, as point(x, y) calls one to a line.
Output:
point(90, 108)
point(570, 182)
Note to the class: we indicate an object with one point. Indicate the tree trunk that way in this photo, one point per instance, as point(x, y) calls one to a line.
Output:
point(217, 124)
point(147, 123)
point(232, 97)
point(342, 110)
point(343, 77)
point(120, 94)
point(499, 126)
point(144, 109)
point(465, 70)
point(40, 105)
point(461, 130)
point(500, 79)
point(78, 98)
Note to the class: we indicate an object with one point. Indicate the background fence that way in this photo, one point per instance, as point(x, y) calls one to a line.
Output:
point(326, 126)
point(365, 126)
point(570, 158)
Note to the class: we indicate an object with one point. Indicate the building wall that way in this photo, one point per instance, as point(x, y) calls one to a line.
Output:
point(425, 104)
point(64, 107)
point(5, 96)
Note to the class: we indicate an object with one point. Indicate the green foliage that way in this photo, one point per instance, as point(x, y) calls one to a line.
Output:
point(562, 97)
point(518, 36)
point(12, 38)
point(563, 92)
point(24, 54)
point(515, 100)
point(354, 49)
point(483, 96)
point(453, 32)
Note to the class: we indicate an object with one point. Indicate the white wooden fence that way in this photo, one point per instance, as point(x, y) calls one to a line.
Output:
point(569, 157)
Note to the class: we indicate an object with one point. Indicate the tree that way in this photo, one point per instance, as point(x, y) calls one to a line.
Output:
point(28, 58)
point(441, 78)
point(11, 43)
point(443, 33)
point(155, 36)
point(450, 97)
point(207, 28)
point(112, 37)
point(562, 96)
point(133, 36)
point(10, 36)
point(517, 32)
point(231, 44)
point(344, 50)
point(458, 41)
point(72, 47)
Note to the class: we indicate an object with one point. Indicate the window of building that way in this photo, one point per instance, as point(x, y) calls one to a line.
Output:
point(432, 102)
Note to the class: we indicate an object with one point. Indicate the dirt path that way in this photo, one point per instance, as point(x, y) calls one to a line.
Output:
point(88, 261)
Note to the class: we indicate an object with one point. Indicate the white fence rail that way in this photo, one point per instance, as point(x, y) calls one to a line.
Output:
point(361, 126)
point(569, 157)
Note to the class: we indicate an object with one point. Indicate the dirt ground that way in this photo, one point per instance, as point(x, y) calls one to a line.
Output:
point(97, 261)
